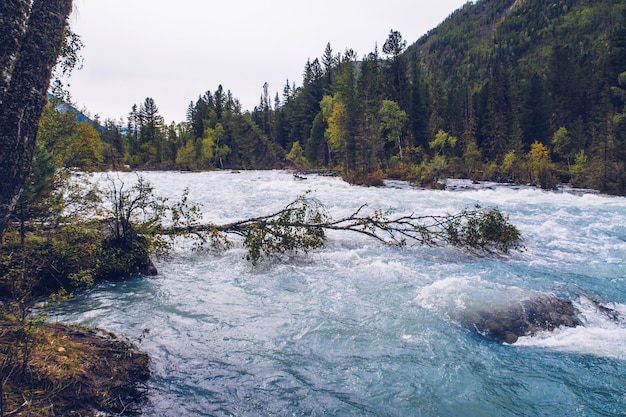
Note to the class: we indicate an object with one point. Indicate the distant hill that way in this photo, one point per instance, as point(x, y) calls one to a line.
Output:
point(64, 107)
point(524, 35)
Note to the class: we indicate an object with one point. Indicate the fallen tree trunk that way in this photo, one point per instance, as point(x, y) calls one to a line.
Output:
point(302, 226)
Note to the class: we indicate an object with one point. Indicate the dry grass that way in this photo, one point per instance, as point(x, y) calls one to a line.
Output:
point(70, 371)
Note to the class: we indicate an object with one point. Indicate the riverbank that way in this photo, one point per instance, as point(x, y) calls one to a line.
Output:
point(55, 369)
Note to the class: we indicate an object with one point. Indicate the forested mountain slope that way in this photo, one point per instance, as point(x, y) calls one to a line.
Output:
point(528, 91)
point(523, 34)
point(515, 72)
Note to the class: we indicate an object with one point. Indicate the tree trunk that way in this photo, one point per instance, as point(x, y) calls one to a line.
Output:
point(30, 43)
point(13, 18)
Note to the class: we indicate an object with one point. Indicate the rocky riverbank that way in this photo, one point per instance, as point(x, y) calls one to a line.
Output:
point(54, 369)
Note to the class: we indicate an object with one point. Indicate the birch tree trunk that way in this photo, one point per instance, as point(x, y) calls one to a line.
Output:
point(31, 36)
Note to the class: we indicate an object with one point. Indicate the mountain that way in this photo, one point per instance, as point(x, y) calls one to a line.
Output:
point(524, 35)
point(509, 73)
point(64, 107)
point(528, 91)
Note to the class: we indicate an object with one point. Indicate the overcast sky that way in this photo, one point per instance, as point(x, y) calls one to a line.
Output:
point(174, 51)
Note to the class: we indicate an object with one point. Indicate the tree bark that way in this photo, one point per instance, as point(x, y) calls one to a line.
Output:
point(30, 42)
point(13, 18)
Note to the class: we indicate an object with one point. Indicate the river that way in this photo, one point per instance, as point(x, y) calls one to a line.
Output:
point(360, 329)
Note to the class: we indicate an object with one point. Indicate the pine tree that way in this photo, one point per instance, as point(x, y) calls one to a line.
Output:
point(535, 112)
point(329, 63)
point(152, 127)
point(369, 145)
point(419, 107)
point(393, 47)
point(495, 113)
point(114, 141)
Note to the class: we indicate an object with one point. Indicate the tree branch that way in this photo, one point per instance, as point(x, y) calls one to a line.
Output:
point(301, 226)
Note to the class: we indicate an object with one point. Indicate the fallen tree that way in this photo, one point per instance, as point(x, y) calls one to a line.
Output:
point(117, 238)
point(302, 226)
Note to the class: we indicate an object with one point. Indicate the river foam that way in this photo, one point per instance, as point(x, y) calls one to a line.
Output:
point(357, 328)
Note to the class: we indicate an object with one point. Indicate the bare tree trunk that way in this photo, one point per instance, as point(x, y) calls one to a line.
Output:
point(30, 43)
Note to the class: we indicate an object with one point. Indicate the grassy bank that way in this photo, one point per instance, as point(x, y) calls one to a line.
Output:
point(59, 370)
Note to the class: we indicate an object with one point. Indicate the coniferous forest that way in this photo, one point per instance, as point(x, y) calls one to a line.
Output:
point(518, 91)
point(530, 92)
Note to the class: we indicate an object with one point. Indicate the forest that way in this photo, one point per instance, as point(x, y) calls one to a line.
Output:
point(503, 90)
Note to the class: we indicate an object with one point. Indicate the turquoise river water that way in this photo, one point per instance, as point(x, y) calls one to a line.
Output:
point(360, 329)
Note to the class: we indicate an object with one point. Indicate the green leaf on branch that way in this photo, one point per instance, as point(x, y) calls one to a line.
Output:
point(302, 225)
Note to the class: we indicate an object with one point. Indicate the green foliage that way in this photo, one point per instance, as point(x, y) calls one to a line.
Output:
point(541, 166)
point(296, 228)
point(335, 113)
point(67, 258)
point(472, 158)
point(439, 166)
point(392, 122)
point(510, 167)
point(186, 156)
point(563, 144)
point(487, 230)
point(579, 169)
point(443, 140)
point(212, 153)
point(89, 241)
point(296, 156)
point(74, 144)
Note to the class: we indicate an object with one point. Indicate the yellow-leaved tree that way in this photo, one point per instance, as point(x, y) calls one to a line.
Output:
point(335, 112)
point(296, 156)
point(540, 166)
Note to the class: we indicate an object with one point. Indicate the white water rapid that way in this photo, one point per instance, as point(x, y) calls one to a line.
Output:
point(360, 329)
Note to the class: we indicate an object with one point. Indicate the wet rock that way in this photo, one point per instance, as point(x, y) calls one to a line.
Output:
point(526, 318)
point(150, 269)
point(599, 304)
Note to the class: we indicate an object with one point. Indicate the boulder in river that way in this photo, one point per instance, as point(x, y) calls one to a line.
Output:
point(525, 318)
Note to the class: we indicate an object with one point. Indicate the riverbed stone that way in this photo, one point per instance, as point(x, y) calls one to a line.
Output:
point(524, 318)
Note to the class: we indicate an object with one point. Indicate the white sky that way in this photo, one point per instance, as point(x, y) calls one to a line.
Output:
point(174, 51)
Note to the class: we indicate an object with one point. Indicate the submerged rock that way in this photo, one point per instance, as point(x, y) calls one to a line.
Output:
point(526, 318)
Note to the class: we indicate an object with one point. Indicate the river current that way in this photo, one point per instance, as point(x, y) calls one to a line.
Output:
point(360, 329)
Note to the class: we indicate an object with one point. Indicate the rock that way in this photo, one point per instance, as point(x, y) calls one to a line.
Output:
point(526, 318)
point(598, 303)
point(149, 270)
